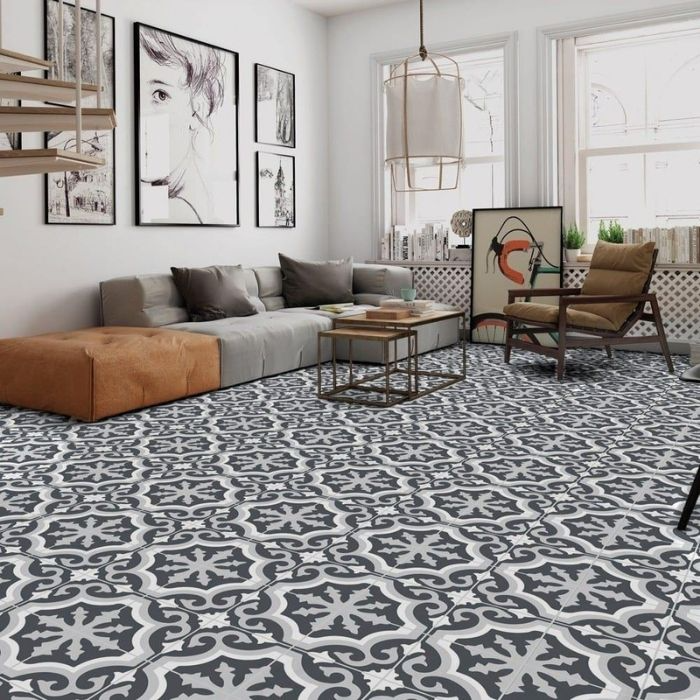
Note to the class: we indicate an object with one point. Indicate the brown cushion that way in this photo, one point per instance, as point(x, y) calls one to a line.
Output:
point(617, 268)
point(211, 293)
point(314, 283)
point(99, 372)
point(549, 313)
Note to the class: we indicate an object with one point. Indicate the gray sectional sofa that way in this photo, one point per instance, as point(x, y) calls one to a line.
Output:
point(276, 340)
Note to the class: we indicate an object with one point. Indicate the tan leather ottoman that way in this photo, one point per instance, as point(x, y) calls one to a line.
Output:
point(98, 372)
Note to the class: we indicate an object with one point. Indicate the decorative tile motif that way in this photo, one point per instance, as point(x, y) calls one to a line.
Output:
point(510, 537)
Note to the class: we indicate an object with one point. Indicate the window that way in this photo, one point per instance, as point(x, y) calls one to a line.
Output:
point(630, 131)
point(483, 179)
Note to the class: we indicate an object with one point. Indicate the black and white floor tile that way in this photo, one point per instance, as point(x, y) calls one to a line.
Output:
point(509, 537)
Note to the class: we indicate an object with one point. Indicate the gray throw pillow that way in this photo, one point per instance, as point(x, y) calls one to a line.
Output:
point(314, 283)
point(211, 293)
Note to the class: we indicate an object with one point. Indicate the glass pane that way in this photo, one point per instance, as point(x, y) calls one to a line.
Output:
point(483, 108)
point(673, 187)
point(615, 191)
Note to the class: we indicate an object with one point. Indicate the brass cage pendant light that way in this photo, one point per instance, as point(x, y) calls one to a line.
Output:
point(424, 96)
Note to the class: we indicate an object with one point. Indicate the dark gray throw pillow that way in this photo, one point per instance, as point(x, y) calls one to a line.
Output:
point(211, 293)
point(314, 283)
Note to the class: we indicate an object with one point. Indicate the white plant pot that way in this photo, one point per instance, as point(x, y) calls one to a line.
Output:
point(571, 255)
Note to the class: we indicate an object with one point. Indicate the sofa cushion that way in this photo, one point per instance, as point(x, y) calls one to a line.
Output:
point(314, 283)
point(264, 344)
point(214, 292)
point(617, 268)
point(269, 281)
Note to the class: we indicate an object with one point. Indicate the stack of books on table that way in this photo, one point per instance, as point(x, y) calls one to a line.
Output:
point(419, 307)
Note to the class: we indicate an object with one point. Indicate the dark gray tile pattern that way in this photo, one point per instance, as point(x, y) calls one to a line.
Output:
point(507, 538)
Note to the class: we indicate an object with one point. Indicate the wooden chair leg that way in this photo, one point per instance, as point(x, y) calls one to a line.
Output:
point(608, 350)
point(662, 334)
point(561, 340)
point(690, 503)
point(509, 338)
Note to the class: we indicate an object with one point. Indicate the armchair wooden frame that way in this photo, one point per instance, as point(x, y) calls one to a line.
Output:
point(599, 338)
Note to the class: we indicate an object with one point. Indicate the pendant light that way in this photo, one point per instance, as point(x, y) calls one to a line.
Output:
point(424, 120)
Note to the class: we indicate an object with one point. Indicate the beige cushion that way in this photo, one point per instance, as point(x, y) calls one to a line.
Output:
point(617, 268)
point(549, 313)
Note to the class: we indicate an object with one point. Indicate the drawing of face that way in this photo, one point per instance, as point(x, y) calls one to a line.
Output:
point(164, 91)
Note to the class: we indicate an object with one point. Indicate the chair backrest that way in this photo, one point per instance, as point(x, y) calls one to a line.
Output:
point(619, 269)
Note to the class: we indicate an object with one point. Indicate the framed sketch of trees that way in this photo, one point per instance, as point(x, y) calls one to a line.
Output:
point(275, 107)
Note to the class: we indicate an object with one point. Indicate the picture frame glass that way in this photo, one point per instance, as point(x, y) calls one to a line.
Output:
point(512, 249)
point(275, 106)
point(276, 191)
point(187, 141)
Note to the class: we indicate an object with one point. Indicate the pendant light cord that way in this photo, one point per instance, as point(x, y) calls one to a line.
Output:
point(422, 51)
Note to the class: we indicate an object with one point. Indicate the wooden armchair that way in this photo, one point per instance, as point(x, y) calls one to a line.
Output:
point(601, 313)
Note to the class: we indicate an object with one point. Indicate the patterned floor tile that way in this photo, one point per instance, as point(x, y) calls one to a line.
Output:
point(228, 664)
point(203, 571)
point(425, 552)
point(92, 537)
point(74, 640)
point(673, 678)
point(22, 577)
point(351, 617)
point(8, 691)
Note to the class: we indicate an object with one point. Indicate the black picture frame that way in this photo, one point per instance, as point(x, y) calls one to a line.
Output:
point(47, 136)
point(476, 319)
point(258, 222)
point(138, 26)
point(259, 138)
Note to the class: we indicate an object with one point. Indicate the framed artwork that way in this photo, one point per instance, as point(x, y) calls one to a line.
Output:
point(511, 249)
point(85, 197)
point(10, 141)
point(275, 107)
point(276, 191)
point(186, 131)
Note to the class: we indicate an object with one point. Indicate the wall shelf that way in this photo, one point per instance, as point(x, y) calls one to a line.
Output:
point(22, 87)
point(45, 160)
point(26, 119)
point(13, 62)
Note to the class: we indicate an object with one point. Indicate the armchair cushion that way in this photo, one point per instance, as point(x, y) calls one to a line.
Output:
point(620, 269)
point(549, 313)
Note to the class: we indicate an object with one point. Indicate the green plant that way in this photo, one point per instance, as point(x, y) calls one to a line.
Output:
point(574, 238)
point(612, 233)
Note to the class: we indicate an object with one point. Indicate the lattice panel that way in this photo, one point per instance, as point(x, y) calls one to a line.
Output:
point(678, 291)
point(447, 285)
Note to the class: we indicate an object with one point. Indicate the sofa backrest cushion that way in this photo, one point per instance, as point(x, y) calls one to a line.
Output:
point(269, 280)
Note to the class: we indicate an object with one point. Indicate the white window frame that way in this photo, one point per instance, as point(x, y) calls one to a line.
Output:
point(561, 171)
point(508, 43)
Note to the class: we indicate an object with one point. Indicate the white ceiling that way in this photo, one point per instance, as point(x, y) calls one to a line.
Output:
point(331, 8)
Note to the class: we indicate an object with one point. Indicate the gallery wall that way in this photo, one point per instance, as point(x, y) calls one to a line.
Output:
point(354, 38)
point(49, 274)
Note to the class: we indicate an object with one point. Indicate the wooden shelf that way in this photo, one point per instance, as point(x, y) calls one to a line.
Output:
point(25, 119)
point(13, 62)
point(461, 263)
point(45, 160)
point(22, 87)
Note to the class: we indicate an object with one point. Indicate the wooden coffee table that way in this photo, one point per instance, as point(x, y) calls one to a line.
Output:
point(410, 366)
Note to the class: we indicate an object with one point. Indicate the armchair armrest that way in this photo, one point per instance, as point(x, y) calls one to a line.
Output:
point(514, 294)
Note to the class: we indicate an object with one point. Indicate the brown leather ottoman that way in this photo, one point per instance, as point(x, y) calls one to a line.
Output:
point(99, 372)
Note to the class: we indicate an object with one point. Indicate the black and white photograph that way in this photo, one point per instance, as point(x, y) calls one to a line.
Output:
point(276, 191)
point(10, 141)
point(187, 135)
point(275, 107)
point(84, 197)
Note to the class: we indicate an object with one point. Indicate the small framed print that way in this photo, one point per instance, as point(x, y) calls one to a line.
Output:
point(275, 107)
point(276, 191)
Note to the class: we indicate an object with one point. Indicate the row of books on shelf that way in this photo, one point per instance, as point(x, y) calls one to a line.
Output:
point(679, 245)
point(431, 243)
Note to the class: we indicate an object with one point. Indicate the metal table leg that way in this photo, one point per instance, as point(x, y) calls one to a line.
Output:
point(690, 503)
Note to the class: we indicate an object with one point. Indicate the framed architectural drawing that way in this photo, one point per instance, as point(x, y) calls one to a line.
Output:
point(511, 249)
point(187, 131)
point(276, 191)
point(275, 107)
point(86, 197)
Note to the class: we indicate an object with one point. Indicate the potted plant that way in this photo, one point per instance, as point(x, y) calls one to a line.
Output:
point(574, 238)
point(612, 232)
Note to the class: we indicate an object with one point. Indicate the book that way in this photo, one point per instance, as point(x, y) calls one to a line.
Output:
point(336, 308)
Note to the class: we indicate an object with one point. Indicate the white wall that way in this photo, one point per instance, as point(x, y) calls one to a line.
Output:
point(354, 38)
point(49, 274)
